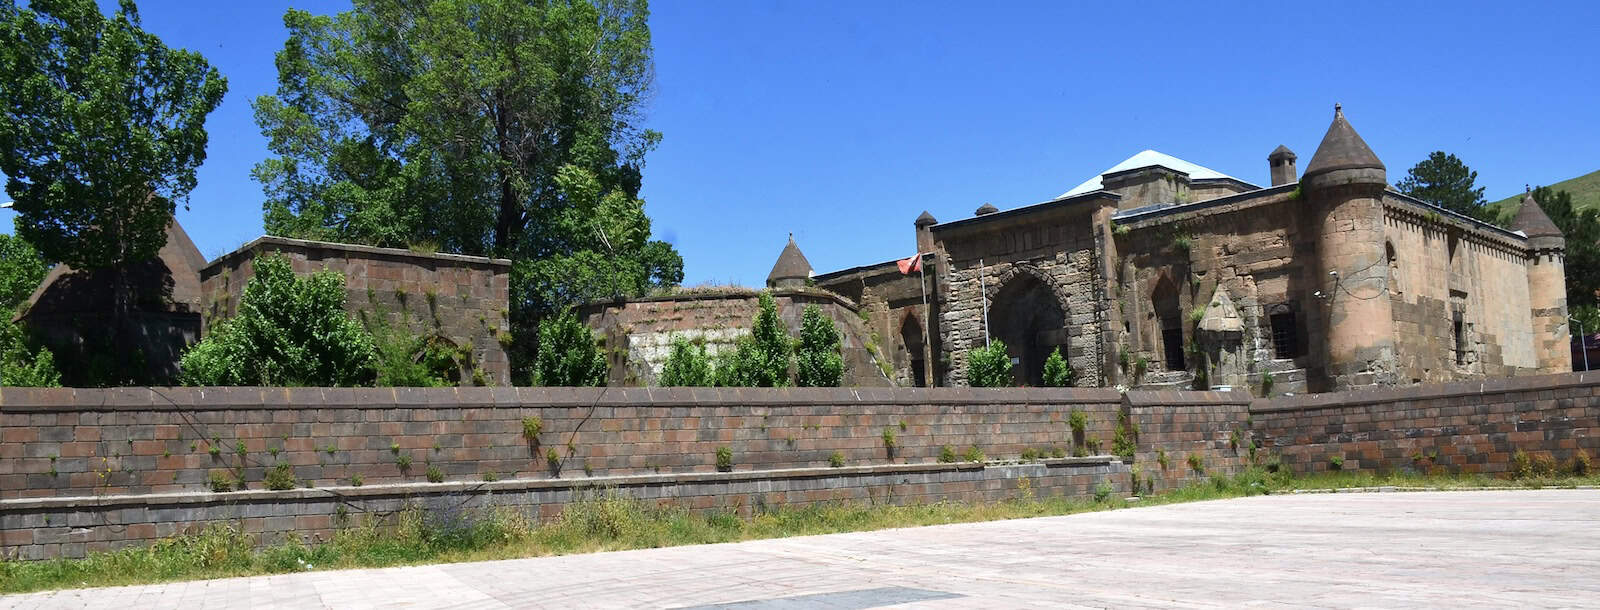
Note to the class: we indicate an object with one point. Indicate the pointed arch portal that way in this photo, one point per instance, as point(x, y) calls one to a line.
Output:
point(1028, 317)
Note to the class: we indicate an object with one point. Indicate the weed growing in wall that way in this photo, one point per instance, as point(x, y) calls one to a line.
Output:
point(947, 454)
point(974, 454)
point(1336, 462)
point(403, 461)
point(889, 441)
point(281, 477)
point(356, 479)
point(1103, 491)
point(836, 459)
point(553, 461)
point(724, 459)
point(435, 475)
point(1197, 463)
point(221, 481)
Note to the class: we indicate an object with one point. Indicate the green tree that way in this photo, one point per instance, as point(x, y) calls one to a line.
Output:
point(818, 362)
point(989, 367)
point(1443, 180)
point(488, 127)
point(568, 355)
point(1057, 373)
point(769, 348)
point(687, 365)
point(290, 331)
point(20, 365)
point(102, 130)
point(21, 270)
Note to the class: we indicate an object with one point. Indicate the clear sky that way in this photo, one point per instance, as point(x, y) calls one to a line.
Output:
point(842, 121)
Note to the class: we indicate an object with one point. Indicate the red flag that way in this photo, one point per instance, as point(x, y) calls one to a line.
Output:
point(910, 265)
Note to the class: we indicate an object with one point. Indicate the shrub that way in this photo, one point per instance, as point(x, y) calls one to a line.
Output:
point(836, 459)
point(770, 347)
point(435, 475)
point(1196, 463)
point(1581, 465)
point(221, 481)
point(407, 359)
point(947, 454)
point(687, 365)
point(568, 355)
point(1057, 452)
point(974, 454)
point(1103, 491)
point(1057, 373)
point(989, 367)
point(19, 365)
point(1079, 422)
point(290, 331)
point(403, 461)
point(281, 477)
point(818, 363)
point(724, 459)
point(531, 427)
point(553, 460)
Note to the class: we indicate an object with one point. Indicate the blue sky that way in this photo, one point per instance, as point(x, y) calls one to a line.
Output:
point(841, 122)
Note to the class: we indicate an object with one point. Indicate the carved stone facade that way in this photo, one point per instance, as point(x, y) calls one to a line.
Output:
point(1162, 273)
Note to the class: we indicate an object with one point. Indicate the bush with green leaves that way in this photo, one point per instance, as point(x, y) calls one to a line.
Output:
point(290, 331)
point(989, 367)
point(1057, 373)
point(687, 365)
point(568, 355)
point(408, 359)
point(760, 360)
point(818, 363)
point(22, 366)
point(21, 270)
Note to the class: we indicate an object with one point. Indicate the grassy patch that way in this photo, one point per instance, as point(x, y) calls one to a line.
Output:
point(606, 522)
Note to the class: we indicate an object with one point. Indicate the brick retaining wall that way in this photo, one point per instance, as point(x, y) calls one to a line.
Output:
point(1461, 427)
point(42, 528)
point(78, 442)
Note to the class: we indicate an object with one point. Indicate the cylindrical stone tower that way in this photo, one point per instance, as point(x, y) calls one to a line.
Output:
point(1547, 286)
point(1344, 184)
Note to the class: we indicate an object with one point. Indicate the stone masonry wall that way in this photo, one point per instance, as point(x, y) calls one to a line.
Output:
point(462, 298)
point(1460, 427)
point(48, 528)
point(60, 442)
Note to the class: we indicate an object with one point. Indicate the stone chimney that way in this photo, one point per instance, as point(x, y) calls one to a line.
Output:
point(925, 223)
point(1282, 163)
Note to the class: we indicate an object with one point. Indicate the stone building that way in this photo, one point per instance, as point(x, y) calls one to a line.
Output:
point(1160, 272)
point(638, 333)
point(458, 300)
point(72, 312)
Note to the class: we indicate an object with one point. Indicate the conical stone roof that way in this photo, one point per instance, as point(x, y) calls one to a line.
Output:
point(986, 209)
point(791, 267)
point(1341, 149)
point(1532, 220)
point(1281, 152)
point(926, 219)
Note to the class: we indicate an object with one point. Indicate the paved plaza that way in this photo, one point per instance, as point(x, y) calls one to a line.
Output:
point(1489, 549)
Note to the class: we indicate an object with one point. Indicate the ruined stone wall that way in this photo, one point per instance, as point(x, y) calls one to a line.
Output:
point(638, 333)
point(1256, 250)
point(892, 309)
point(1441, 266)
point(461, 298)
point(1055, 247)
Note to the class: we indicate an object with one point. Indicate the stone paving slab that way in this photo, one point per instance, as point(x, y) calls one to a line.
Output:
point(1479, 549)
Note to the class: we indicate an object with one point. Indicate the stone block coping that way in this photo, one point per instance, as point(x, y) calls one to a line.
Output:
point(266, 242)
point(1477, 387)
point(23, 505)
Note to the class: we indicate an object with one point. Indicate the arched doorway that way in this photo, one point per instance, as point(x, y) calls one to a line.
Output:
point(1028, 317)
point(911, 340)
point(1169, 318)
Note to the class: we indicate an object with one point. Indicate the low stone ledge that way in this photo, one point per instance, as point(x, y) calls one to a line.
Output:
point(387, 490)
point(1371, 396)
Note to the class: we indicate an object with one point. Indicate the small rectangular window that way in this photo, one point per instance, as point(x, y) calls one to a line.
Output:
point(1284, 344)
point(1461, 340)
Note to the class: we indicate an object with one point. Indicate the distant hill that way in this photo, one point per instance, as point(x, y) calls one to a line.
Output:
point(1585, 191)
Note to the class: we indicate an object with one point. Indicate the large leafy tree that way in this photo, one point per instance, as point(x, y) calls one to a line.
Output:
point(102, 130)
point(490, 127)
point(21, 270)
point(290, 331)
point(1443, 180)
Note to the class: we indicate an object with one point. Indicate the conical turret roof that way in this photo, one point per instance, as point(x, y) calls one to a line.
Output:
point(1532, 220)
point(791, 265)
point(1341, 148)
point(926, 219)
